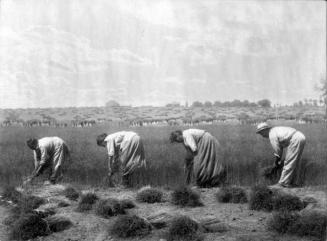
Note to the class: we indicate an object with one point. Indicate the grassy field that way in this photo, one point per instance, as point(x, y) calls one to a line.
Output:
point(242, 151)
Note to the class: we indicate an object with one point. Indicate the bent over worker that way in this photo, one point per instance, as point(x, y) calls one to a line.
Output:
point(126, 147)
point(202, 161)
point(49, 152)
point(288, 139)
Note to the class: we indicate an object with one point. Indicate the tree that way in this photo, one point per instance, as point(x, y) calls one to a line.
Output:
point(243, 117)
point(264, 103)
point(217, 103)
point(321, 101)
point(227, 104)
point(112, 103)
point(315, 102)
point(236, 103)
point(173, 104)
point(207, 104)
point(323, 89)
point(197, 104)
point(13, 116)
point(246, 103)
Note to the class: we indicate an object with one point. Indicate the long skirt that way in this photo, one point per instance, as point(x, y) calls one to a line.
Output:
point(292, 159)
point(60, 158)
point(132, 155)
point(207, 168)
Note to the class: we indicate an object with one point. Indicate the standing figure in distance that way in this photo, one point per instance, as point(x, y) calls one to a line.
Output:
point(207, 168)
point(49, 152)
point(126, 147)
point(289, 139)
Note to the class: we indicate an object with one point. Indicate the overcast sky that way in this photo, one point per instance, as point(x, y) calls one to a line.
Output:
point(146, 52)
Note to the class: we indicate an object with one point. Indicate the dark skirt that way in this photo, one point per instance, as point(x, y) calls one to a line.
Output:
point(132, 155)
point(208, 168)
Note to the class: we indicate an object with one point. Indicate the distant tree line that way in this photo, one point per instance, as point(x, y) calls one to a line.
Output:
point(235, 103)
point(112, 103)
point(265, 103)
point(323, 89)
point(309, 102)
point(323, 93)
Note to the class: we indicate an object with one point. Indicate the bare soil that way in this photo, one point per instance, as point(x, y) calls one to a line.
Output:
point(242, 223)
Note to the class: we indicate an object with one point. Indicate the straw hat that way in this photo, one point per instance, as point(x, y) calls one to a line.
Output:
point(262, 126)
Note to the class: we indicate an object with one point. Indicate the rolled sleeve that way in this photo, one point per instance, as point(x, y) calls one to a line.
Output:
point(36, 161)
point(44, 156)
point(111, 147)
point(276, 146)
point(190, 142)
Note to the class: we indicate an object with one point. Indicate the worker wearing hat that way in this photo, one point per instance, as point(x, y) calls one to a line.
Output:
point(288, 139)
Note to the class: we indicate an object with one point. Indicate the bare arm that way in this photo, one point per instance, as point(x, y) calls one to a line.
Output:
point(37, 171)
point(36, 159)
point(110, 165)
point(40, 162)
point(278, 150)
point(190, 144)
point(188, 165)
point(111, 160)
point(38, 168)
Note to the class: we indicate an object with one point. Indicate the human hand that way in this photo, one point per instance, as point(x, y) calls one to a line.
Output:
point(27, 181)
point(110, 173)
point(110, 182)
point(278, 162)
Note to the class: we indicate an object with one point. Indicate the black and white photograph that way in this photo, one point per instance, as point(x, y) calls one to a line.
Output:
point(163, 120)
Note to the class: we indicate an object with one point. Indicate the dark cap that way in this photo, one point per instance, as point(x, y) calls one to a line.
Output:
point(174, 135)
point(100, 138)
point(32, 143)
